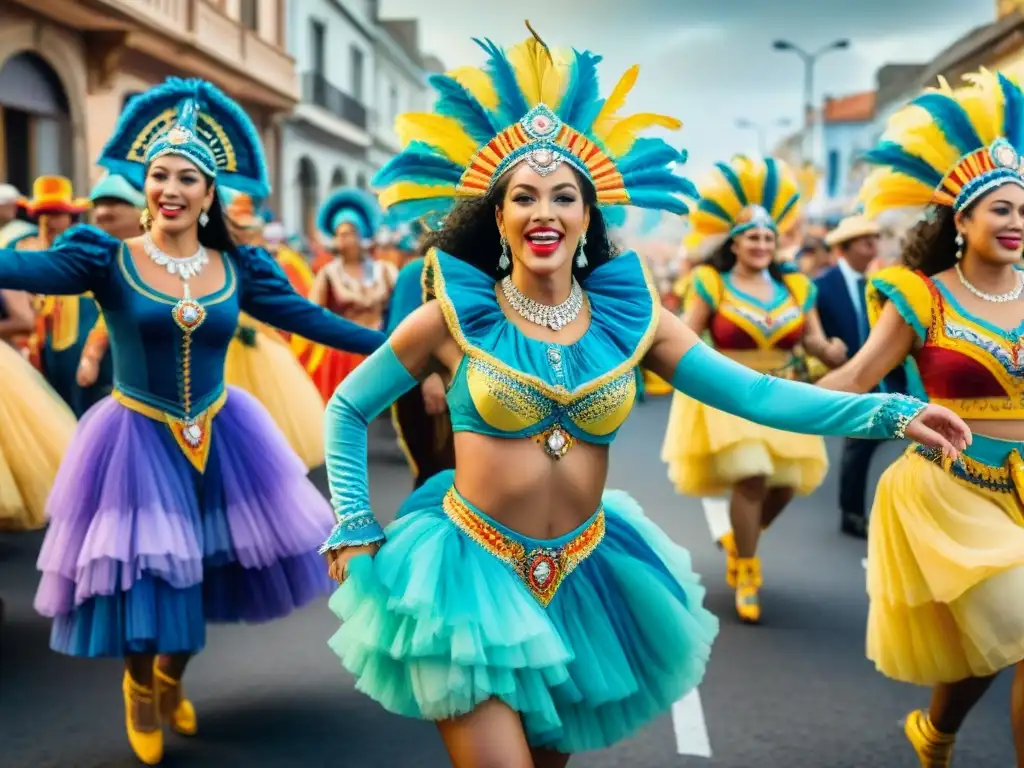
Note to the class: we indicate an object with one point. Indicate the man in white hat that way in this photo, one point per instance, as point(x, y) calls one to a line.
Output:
point(12, 228)
point(843, 311)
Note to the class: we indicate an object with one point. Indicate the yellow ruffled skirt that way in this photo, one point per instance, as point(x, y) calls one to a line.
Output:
point(35, 429)
point(261, 362)
point(707, 451)
point(946, 565)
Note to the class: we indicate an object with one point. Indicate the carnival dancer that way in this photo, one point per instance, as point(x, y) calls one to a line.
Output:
point(525, 610)
point(12, 229)
point(946, 539)
point(63, 322)
point(260, 359)
point(420, 416)
point(353, 284)
point(216, 520)
point(758, 315)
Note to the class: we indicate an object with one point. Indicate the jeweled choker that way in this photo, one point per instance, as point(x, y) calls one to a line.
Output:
point(998, 298)
point(184, 267)
point(554, 317)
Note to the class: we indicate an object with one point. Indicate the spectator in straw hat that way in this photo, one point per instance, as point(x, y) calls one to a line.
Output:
point(843, 311)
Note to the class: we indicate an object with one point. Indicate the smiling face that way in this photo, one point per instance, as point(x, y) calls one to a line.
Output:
point(116, 217)
point(176, 194)
point(755, 249)
point(543, 218)
point(994, 226)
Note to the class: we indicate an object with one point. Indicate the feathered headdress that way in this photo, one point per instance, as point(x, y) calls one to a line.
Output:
point(353, 205)
point(529, 104)
point(740, 195)
point(192, 119)
point(949, 146)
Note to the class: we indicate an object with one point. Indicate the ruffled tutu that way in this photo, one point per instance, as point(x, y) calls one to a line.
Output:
point(708, 451)
point(436, 624)
point(35, 431)
point(262, 363)
point(946, 565)
point(142, 550)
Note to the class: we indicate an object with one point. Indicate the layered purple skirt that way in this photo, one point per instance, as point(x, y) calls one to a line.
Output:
point(143, 550)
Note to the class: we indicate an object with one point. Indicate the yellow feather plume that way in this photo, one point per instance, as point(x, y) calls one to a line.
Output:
point(983, 103)
point(751, 175)
point(409, 190)
point(539, 74)
point(439, 131)
point(478, 83)
point(915, 130)
point(884, 189)
point(608, 117)
point(621, 138)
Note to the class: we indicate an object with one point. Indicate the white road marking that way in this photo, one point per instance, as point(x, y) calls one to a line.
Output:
point(690, 727)
point(716, 512)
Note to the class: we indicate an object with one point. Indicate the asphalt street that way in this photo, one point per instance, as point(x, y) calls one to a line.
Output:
point(795, 692)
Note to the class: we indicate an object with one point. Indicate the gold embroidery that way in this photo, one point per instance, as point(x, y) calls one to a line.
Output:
point(542, 570)
point(1008, 478)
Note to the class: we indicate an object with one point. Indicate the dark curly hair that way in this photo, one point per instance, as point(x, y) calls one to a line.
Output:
point(723, 259)
point(930, 245)
point(470, 232)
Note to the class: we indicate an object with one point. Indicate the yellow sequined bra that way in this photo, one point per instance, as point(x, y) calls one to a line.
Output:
point(512, 386)
point(967, 364)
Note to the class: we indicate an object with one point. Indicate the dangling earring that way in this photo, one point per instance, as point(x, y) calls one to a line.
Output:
point(504, 261)
point(204, 218)
point(959, 246)
point(146, 219)
point(581, 256)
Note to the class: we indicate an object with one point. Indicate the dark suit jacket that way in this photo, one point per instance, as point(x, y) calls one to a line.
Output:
point(839, 318)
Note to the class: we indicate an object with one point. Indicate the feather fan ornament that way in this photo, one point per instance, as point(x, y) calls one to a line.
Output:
point(532, 104)
point(949, 146)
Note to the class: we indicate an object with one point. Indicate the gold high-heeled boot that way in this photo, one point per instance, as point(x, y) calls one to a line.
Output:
point(748, 581)
point(727, 544)
point(146, 741)
point(933, 747)
point(175, 709)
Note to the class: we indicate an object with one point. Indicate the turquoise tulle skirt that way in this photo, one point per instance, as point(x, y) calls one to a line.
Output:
point(445, 617)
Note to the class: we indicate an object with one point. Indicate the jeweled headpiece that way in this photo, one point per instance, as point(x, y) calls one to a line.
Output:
point(532, 105)
point(743, 194)
point(948, 147)
point(192, 119)
point(353, 205)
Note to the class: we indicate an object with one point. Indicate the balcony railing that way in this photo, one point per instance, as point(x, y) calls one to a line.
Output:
point(318, 90)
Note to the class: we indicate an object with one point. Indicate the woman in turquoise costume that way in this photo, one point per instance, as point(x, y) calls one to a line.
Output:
point(527, 611)
point(179, 502)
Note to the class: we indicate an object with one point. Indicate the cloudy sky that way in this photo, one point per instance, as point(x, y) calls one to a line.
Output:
point(710, 62)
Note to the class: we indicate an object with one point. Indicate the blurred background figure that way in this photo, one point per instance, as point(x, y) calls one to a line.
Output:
point(117, 207)
point(813, 258)
point(12, 229)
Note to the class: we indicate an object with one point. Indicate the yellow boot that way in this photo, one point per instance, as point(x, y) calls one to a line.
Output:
point(728, 545)
point(146, 738)
point(748, 581)
point(175, 709)
point(933, 747)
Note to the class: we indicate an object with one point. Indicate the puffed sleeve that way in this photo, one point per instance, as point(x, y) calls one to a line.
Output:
point(804, 291)
point(267, 295)
point(78, 262)
point(705, 283)
point(908, 290)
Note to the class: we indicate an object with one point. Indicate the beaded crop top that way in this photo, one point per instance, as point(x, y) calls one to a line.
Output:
point(509, 385)
point(169, 363)
point(759, 334)
point(966, 364)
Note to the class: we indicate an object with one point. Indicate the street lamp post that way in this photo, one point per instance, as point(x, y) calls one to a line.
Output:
point(762, 131)
point(809, 59)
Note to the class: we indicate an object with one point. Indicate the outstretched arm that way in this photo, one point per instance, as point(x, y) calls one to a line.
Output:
point(267, 295)
point(367, 392)
point(76, 264)
point(890, 343)
point(698, 371)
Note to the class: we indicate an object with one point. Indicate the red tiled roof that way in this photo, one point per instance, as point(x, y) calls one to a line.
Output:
point(855, 108)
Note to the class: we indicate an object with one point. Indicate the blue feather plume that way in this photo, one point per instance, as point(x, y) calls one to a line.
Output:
point(511, 100)
point(788, 206)
point(734, 182)
point(770, 188)
point(892, 154)
point(1013, 112)
point(660, 199)
point(457, 102)
point(952, 121)
point(710, 207)
point(361, 202)
point(647, 153)
point(418, 166)
point(581, 110)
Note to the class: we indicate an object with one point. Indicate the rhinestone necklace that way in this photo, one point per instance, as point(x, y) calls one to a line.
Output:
point(999, 298)
point(554, 317)
point(185, 268)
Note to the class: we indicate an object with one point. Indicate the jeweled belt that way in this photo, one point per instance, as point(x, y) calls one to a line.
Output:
point(193, 435)
point(542, 569)
point(1008, 478)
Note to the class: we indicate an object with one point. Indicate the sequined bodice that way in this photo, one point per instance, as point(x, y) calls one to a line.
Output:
point(509, 385)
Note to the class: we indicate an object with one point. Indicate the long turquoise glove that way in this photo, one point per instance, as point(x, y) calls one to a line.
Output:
point(715, 380)
point(359, 399)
